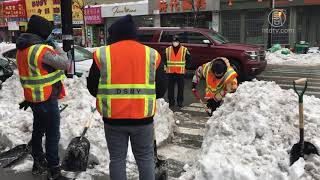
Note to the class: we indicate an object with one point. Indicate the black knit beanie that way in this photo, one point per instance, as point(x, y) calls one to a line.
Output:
point(123, 29)
point(219, 66)
point(39, 26)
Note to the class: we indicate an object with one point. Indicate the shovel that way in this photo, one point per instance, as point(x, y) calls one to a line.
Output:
point(20, 152)
point(196, 94)
point(77, 153)
point(161, 169)
point(302, 147)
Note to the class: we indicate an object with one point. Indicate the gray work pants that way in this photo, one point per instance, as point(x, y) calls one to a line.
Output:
point(141, 138)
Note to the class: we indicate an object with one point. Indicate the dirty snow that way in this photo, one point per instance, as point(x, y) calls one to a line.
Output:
point(250, 135)
point(310, 59)
point(16, 125)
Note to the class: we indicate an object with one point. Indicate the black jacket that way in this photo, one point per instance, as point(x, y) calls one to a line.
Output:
point(124, 29)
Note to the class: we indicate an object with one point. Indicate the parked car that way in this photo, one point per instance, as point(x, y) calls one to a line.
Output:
point(205, 45)
point(83, 58)
point(6, 70)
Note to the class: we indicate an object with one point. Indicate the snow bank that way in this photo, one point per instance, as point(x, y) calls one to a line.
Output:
point(310, 59)
point(6, 46)
point(250, 135)
point(16, 125)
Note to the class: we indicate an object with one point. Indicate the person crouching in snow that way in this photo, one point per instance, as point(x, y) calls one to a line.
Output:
point(220, 78)
point(41, 63)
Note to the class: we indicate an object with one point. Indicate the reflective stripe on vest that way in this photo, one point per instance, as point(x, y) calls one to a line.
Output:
point(36, 81)
point(176, 64)
point(108, 91)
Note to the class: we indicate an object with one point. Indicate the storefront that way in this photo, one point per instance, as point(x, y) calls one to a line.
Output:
point(15, 14)
point(139, 10)
point(182, 13)
point(94, 26)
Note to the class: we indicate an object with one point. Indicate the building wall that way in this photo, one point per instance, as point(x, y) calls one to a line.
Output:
point(92, 2)
point(245, 20)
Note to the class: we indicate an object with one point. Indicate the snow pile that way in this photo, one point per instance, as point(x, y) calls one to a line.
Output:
point(250, 135)
point(16, 125)
point(310, 59)
point(314, 50)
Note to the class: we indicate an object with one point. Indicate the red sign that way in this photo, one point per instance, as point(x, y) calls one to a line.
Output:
point(92, 15)
point(181, 5)
point(14, 9)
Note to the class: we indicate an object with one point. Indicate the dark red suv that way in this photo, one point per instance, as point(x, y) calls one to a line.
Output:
point(205, 45)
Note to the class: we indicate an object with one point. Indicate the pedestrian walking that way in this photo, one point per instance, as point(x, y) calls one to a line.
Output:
point(41, 73)
point(126, 77)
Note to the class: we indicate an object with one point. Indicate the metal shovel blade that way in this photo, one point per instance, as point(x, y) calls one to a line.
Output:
point(77, 155)
point(296, 152)
point(161, 171)
point(13, 155)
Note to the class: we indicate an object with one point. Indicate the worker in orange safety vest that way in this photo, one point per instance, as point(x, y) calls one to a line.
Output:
point(177, 58)
point(220, 79)
point(41, 64)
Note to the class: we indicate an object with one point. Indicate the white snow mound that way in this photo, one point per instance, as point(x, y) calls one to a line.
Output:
point(250, 135)
point(310, 59)
point(16, 124)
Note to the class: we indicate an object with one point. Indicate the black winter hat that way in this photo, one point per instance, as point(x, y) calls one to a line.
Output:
point(176, 38)
point(219, 66)
point(123, 29)
point(39, 26)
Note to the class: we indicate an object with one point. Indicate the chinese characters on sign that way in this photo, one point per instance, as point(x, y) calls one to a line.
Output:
point(180, 6)
point(93, 15)
point(14, 9)
point(42, 8)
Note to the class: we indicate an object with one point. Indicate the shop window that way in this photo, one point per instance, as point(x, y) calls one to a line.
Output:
point(195, 38)
point(230, 25)
point(145, 36)
point(167, 36)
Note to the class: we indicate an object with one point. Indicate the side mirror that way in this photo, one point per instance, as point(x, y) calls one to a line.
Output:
point(206, 41)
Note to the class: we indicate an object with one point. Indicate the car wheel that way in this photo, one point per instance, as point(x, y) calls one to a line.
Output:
point(237, 67)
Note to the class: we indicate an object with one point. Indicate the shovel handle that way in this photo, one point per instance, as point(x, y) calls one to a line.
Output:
point(88, 122)
point(300, 81)
point(196, 94)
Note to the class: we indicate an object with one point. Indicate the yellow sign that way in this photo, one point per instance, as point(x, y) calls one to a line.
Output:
point(42, 8)
point(77, 12)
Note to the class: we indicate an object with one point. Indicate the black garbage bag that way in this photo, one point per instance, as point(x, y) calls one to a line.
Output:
point(77, 155)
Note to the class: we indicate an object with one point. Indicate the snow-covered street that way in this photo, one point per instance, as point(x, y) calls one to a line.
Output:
point(247, 138)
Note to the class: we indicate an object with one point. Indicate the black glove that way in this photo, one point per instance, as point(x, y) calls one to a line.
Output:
point(24, 105)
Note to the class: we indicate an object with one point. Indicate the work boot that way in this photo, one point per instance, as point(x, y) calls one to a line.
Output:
point(39, 165)
point(180, 105)
point(54, 173)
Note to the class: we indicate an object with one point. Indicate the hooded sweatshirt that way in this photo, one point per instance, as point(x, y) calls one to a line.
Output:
point(51, 61)
point(125, 29)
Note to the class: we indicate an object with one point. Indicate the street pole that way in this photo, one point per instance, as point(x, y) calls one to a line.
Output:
point(67, 34)
point(269, 43)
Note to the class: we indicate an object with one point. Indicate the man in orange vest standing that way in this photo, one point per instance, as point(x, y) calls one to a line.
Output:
point(41, 73)
point(126, 77)
point(177, 57)
point(220, 79)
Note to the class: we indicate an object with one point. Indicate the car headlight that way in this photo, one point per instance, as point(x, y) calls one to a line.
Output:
point(253, 55)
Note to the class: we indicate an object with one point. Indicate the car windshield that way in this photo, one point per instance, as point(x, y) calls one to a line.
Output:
point(81, 54)
point(217, 37)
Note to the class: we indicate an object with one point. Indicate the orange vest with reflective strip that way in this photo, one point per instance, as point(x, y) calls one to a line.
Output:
point(127, 80)
point(37, 81)
point(176, 62)
point(216, 88)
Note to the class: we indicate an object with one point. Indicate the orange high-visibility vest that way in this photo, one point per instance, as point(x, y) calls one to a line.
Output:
point(176, 62)
point(218, 88)
point(37, 81)
point(127, 80)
